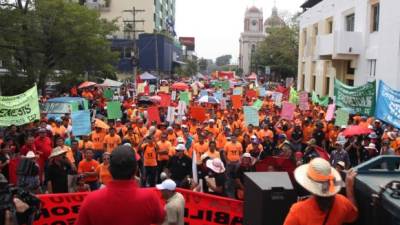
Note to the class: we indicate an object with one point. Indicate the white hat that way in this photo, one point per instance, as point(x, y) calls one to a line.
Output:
point(253, 137)
point(184, 118)
point(216, 165)
point(371, 146)
point(30, 155)
point(370, 127)
point(180, 147)
point(167, 184)
point(211, 121)
point(184, 126)
point(170, 128)
point(57, 151)
point(319, 178)
point(342, 164)
point(180, 140)
point(343, 127)
point(246, 155)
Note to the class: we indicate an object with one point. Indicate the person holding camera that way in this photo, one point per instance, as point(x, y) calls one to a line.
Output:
point(28, 173)
point(58, 170)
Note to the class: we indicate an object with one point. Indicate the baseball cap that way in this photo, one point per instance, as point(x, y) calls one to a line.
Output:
point(180, 147)
point(167, 184)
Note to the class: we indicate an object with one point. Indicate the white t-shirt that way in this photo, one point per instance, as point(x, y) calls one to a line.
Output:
point(175, 209)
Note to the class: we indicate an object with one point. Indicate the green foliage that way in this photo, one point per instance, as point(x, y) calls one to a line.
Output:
point(203, 64)
point(279, 50)
point(223, 60)
point(48, 37)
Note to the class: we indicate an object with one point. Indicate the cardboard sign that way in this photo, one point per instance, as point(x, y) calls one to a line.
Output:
point(171, 114)
point(342, 118)
point(140, 87)
point(182, 108)
point(184, 96)
point(114, 110)
point(251, 93)
point(236, 101)
point(200, 208)
point(198, 113)
point(238, 91)
point(203, 93)
point(81, 124)
point(288, 111)
point(108, 94)
point(330, 113)
point(303, 105)
point(218, 95)
point(262, 92)
point(251, 116)
point(165, 100)
point(222, 103)
point(277, 97)
point(154, 114)
point(258, 104)
point(164, 89)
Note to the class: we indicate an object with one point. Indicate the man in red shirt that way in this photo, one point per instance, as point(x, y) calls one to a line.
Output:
point(44, 146)
point(99, 207)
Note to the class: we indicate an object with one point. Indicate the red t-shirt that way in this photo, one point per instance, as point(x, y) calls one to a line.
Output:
point(99, 207)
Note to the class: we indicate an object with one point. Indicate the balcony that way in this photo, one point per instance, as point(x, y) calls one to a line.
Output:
point(339, 45)
point(101, 5)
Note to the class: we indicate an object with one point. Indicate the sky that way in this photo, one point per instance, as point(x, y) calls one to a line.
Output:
point(217, 24)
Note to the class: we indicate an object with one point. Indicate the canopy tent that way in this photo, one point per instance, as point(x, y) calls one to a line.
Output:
point(111, 83)
point(147, 76)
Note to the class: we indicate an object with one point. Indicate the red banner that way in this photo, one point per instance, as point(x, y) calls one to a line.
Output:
point(154, 114)
point(165, 100)
point(200, 209)
point(226, 74)
point(198, 113)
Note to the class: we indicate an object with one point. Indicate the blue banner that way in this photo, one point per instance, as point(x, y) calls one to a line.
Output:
point(81, 123)
point(388, 105)
point(218, 95)
point(203, 93)
point(262, 92)
point(251, 116)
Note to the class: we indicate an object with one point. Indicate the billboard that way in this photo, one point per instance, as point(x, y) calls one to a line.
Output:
point(189, 42)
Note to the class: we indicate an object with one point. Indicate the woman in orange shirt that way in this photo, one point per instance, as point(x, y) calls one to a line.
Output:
point(102, 170)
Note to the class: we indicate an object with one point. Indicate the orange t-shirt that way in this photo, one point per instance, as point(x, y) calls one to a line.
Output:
point(70, 154)
point(307, 132)
point(265, 133)
point(111, 142)
point(307, 212)
point(104, 174)
point(221, 141)
point(86, 145)
point(88, 166)
point(133, 139)
point(164, 150)
point(149, 155)
point(98, 140)
point(250, 148)
point(59, 131)
point(200, 150)
point(233, 151)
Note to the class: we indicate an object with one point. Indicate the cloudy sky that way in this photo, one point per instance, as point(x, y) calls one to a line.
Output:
point(217, 24)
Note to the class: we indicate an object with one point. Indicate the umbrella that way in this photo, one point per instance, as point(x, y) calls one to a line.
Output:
point(101, 124)
point(208, 99)
point(180, 86)
point(356, 130)
point(155, 98)
point(86, 84)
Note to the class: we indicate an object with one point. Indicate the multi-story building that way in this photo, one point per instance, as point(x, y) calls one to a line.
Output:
point(355, 41)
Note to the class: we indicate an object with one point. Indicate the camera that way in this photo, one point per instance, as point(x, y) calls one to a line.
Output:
point(7, 195)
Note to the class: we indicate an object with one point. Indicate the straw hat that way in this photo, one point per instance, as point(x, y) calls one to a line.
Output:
point(319, 178)
point(216, 165)
point(57, 151)
point(371, 146)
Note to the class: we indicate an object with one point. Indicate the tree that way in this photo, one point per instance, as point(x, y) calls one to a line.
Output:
point(223, 60)
point(191, 67)
point(47, 38)
point(279, 50)
point(203, 65)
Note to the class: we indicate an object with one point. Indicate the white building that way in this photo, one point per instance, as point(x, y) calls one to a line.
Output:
point(355, 41)
point(249, 39)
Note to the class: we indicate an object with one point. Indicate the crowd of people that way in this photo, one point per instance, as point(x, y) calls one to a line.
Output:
point(46, 157)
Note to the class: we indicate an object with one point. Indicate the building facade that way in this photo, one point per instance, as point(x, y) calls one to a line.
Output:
point(355, 41)
point(252, 35)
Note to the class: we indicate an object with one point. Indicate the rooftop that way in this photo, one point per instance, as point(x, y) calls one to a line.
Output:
point(309, 4)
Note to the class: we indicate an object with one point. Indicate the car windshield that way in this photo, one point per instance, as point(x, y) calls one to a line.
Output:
point(56, 107)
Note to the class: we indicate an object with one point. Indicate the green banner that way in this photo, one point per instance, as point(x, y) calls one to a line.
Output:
point(323, 101)
point(294, 96)
point(360, 99)
point(108, 94)
point(114, 110)
point(19, 109)
point(258, 104)
point(342, 118)
point(184, 96)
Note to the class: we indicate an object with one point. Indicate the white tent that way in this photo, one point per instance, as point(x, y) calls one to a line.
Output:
point(111, 83)
point(147, 76)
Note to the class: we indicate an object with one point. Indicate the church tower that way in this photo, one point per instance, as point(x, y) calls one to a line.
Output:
point(253, 33)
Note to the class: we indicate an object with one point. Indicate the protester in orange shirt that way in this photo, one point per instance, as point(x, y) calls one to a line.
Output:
point(200, 148)
point(59, 129)
point(255, 148)
point(149, 150)
point(212, 128)
point(97, 137)
point(212, 152)
point(164, 152)
point(87, 169)
point(222, 139)
point(102, 170)
point(111, 141)
point(326, 206)
point(132, 137)
point(85, 143)
point(69, 153)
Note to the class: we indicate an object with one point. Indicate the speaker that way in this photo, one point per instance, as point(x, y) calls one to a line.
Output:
point(268, 197)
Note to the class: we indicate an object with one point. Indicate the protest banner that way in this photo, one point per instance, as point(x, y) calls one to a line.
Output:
point(388, 105)
point(322, 101)
point(147, 90)
point(152, 88)
point(225, 85)
point(223, 103)
point(356, 99)
point(288, 111)
point(184, 96)
point(342, 118)
point(277, 97)
point(258, 104)
point(81, 123)
point(108, 94)
point(251, 93)
point(200, 208)
point(236, 101)
point(114, 110)
point(171, 114)
point(293, 96)
point(173, 95)
point(251, 116)
point(238, 91)
point(19, 109)
point(330, 113)
point(164, 89)
point(203, 93)
point(154, 114)
point(198, 113)
point(140, 88)
point(165, 100)
point(303, 98)
point(218, 95)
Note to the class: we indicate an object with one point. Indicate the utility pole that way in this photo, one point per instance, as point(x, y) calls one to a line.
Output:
point(132, 29)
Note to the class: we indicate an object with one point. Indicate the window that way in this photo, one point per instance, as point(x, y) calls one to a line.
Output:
point(327, 85)
point(305, 37)
point(253, 48)
point(372, 67)
point(375, 17)
point(350, 22)
point(349, 69)
point(154, 18)
point(127, 52)
point(303, 79)
point(350, 82)
point(314, 81)
point(316, 29)
point(330, 27)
